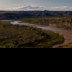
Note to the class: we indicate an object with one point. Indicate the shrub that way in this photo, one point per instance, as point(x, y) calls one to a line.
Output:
point(42, 34)
point(19, 36)
point(49, 44)
point(10, 46)
point(22, 47)
point(29, 21)
point(17, 26)
point(15, 42)
point(53, 21)
point(30, 28)
point(45, 35)
point(15, 18)
point(63, 20)
point(4, 25)
point(16, 46)
point(67, 21)
point(7, 46)
point(11, 24)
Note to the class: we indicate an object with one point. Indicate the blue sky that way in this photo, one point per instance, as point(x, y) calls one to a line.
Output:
point(53, 5)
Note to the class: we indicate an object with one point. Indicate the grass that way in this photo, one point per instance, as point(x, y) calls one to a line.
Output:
point(16, 36)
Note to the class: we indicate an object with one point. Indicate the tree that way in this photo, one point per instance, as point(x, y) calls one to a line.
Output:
point(63, 20)
point(67, 21)
point(40, 20)
point(15, 42)
point(53, 21)
point(29, 21)
point(15, 18)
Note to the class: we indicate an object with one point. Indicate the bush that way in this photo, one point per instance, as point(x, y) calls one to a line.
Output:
point(30, 28)
point(11, 24)
point(19, 36)
point(15, 42)
point(4, 25)
point(42, 34)
point(7, 46)
point(10, 46)
point(53, 21)
point(45, 34)
point(49, 44)
point(63, 20)
point(16, 46)
point(17, 26)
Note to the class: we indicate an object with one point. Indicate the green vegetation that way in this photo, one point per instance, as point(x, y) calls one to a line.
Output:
point(63, 20)
point(53, 21)
point(30, 28)
point(63, 23)
point(15, 36)
point(40, 21)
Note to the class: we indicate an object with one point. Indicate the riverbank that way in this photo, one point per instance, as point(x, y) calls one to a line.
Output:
point(67, 38)
point(65, 33)
point(21, 36)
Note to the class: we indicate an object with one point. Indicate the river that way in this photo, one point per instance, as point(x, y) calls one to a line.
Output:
point(66, 34)
point(42, 27)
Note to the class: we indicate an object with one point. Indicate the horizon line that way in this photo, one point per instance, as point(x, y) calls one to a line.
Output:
point(35, 10)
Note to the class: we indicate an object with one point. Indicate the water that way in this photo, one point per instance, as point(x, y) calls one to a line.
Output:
point(42, 27)
point(67, 39)
point(39, 26)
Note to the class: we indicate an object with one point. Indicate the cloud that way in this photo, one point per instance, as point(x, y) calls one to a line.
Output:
point(28, 7)
point(61, 7)
point(70, 7)
point(35, 7)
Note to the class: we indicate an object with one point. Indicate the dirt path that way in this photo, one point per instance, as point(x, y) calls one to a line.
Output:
point(67, 37)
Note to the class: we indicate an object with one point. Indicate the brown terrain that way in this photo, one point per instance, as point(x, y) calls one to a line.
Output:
point(67, 38)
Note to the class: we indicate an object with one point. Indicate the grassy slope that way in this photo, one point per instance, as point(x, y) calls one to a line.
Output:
point(15, 36)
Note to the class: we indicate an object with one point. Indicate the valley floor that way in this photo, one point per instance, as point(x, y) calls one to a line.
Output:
point(21, 36)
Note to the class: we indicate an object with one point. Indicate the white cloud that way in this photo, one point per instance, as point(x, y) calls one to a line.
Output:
point(61, 7)
point(27, 7)
point(35, 7)
point(70, 7)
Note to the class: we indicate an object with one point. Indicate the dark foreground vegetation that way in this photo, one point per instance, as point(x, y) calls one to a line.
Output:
point(15, 36)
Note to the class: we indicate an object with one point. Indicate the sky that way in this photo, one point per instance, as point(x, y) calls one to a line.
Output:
point(51, 5)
